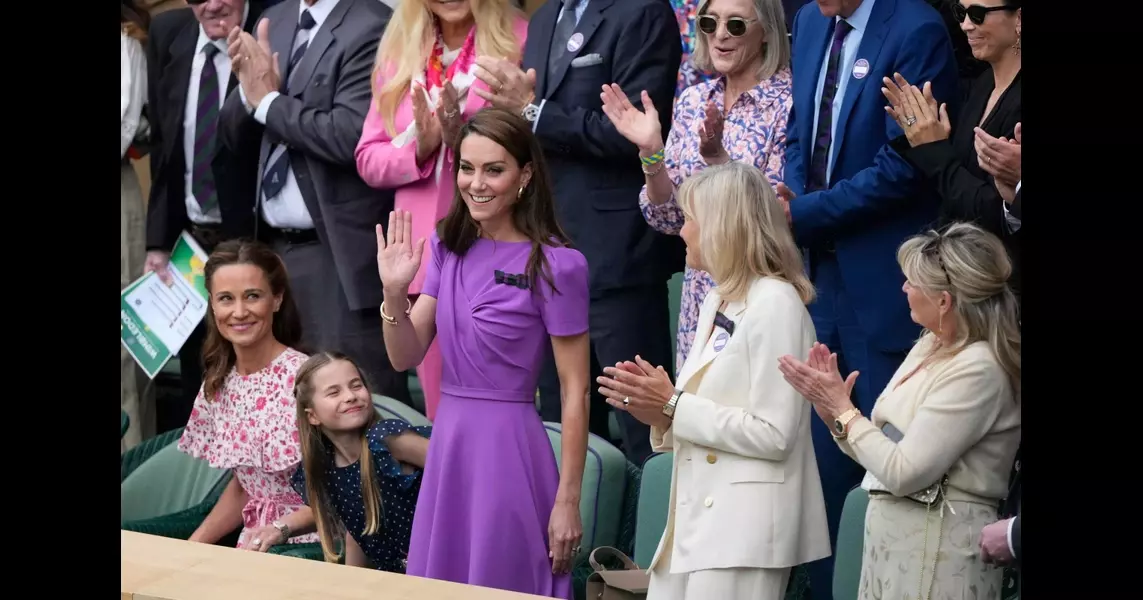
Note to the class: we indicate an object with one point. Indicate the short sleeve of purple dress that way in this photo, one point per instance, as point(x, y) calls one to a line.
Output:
point(491, 476)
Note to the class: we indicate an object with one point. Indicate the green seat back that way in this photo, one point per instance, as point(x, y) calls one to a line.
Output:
point(850, 545)
point(604, 483)
point(390, 408)
point(654, 500)
point(124, 423)
point(167, 482)
point(674, 301)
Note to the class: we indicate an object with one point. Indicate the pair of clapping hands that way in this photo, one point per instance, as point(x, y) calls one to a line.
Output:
point(925, 121)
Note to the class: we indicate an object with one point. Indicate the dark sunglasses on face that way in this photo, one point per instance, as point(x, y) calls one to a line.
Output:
point(735, 26)
point(976, 13)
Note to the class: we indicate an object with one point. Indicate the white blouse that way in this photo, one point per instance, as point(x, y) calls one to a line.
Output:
point(132, 89)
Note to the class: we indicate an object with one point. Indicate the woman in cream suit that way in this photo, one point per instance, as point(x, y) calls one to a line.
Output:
point(746, 502)
point(949, 420)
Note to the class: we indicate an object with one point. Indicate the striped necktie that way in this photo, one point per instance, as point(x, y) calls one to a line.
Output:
point(817, 177)
point(279, 164)
point(206, 132)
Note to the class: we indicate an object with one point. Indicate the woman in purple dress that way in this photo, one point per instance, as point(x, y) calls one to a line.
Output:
point(495, 509)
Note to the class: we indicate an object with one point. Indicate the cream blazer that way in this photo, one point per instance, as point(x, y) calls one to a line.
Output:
point(755, 499)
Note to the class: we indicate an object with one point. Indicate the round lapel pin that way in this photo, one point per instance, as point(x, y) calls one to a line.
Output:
point(860, 68)
point(720, 341)
point(575, 42)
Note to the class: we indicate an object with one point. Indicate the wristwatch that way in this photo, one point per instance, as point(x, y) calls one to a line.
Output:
point(531, 112)
point(283, 528)
point(841, 423)
point(669, 407)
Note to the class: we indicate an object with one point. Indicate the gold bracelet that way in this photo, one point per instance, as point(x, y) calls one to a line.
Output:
point(654, 171)
point(391, 320)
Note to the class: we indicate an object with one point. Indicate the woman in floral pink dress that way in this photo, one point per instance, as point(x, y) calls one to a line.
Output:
point(739, 115)
point(245, 417)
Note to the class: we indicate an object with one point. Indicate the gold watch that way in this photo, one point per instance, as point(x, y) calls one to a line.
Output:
point(669, 407)
point(841, 423)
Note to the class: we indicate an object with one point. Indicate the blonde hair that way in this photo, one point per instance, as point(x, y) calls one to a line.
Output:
point(408, 42)
point(973, 267)
point(316, 458)
point(743, 233)
point(775, 45)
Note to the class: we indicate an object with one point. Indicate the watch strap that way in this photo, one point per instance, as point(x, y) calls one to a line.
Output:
point(841, 423)
point(283, 528)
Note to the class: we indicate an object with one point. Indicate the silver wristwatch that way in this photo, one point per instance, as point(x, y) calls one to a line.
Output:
point(531, 113)
point(283, 528)
point(669, 407)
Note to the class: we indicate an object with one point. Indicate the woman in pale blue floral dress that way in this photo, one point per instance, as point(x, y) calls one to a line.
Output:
point(742, 111)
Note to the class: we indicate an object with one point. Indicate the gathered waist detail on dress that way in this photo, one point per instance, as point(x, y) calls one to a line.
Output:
point(519, 396)
point(264, 510)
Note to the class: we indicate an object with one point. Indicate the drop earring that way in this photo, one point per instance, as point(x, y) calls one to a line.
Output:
point(1016, 46)
point(520, 193)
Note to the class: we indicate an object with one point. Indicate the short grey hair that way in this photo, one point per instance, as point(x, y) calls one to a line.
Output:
point(775, 47)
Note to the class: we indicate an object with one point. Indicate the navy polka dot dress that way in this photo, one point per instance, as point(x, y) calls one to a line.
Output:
point(388, 547)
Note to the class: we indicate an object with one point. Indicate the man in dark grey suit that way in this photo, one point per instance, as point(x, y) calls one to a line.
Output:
point(305, 82)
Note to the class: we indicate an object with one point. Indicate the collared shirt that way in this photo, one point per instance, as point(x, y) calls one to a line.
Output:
point(859, 20)
point(288, 209)
point(1012, 220)
point(190, 118)
point(580, 8)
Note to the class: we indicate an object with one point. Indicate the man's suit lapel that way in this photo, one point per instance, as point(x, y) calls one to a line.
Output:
point(540, 30)
point(178, 73)
point(588, 24)
point(871, 43)
point(318, 44)
point(812, 44)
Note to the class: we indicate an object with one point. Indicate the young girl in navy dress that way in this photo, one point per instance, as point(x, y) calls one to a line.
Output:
point(360, 474)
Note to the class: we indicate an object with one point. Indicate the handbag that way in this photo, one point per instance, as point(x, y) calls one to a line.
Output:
point(927, 496)
point(628, 583)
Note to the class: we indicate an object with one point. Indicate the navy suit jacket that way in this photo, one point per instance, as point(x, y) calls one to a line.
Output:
point(595, 171)
point(874, 201)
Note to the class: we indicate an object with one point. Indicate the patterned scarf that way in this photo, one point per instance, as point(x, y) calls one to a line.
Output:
point(436, 74)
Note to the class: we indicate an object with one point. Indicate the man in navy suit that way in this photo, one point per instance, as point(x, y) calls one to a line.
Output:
point(852, 200)
point(574, 48)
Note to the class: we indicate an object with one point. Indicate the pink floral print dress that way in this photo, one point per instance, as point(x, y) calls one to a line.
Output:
point(252, 428)
point(754, 132)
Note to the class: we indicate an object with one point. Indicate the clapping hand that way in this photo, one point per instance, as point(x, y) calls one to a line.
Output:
point(254, 63)
point(819, 380)
point(999, 157)
point(640, 127)
point(638, 388)
point(429, 133)
point(710, 136)
point(448, 114)
point(916, 111)
point(398, 257)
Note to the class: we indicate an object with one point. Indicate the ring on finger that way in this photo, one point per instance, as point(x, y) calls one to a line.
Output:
point(627, 401)
point(257, 542)
point(910, 121)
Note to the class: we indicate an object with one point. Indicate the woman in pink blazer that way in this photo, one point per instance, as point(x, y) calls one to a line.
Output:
point(426, 61)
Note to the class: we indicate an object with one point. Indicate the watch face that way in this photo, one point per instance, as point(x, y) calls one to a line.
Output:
point(531, 112)
point(838, 426)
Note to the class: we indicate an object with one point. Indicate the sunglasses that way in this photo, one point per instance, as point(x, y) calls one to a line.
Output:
point(976, 13)
point(735, 26)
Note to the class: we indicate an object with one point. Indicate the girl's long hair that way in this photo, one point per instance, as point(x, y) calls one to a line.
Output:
point(317, 457)
point(217, 352)
point(533, 214)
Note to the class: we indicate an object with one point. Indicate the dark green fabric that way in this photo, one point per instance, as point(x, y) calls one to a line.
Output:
point(626, 543)
point(654, 498)
point(179, 525)
point(168, 482)
point(131, 459)
point(850, 545)
point(311, 551)
point(124, 423)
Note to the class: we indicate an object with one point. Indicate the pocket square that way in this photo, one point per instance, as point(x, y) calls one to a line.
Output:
point(587, 61)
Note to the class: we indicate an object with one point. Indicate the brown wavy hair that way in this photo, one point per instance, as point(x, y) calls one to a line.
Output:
point(134, 21)
point(533, 214)
point(317, 457)
point(217, 352)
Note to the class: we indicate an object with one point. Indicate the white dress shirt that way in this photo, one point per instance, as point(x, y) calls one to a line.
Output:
point(288, 209)
point(132, 89)
point(859, 20)
point(190, 117)
point(1012, 220)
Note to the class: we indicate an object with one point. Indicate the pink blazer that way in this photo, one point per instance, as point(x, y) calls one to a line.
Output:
point(385, 166)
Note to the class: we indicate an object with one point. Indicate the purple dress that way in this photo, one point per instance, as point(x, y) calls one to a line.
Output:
point(490, 478)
